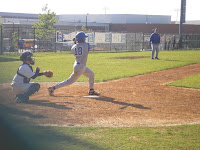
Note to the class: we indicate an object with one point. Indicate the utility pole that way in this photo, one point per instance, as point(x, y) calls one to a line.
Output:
point(1, 52)
point(182, 20)
point(105, 9)
point(86, 21)
point(177, 13)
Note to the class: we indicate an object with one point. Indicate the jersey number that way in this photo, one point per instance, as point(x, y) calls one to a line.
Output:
point(79, 51)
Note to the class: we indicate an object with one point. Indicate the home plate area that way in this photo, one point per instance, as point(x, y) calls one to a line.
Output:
point(91, 96)
point(143, 100)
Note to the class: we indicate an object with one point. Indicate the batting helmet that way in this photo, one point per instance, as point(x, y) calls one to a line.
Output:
point(27, 56)
point(80, 36)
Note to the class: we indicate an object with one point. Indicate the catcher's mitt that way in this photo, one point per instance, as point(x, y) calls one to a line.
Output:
point(48, 73)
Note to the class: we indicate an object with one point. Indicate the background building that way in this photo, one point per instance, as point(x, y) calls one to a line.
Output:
point(80, 19)
point(131, 23)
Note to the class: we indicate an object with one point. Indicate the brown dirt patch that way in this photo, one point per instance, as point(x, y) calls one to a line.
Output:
point(142, 100)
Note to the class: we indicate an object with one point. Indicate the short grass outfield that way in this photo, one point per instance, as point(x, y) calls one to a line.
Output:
point(188, 82)
point(20, 135)
point(104, 64)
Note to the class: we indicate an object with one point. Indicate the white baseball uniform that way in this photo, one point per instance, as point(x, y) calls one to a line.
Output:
point(21, 80)
point(80, 51)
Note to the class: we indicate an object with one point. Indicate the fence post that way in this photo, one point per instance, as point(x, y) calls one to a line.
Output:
point(142, 41)
point(1, 52)
point(126, 42)
point(110, 37)
point(18, 39)
point(135, 42)
point(55, 40)
point(34, 40)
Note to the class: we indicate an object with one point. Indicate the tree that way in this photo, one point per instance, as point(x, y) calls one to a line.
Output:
point(44, 28)
point(13, 41)
point(83, 28)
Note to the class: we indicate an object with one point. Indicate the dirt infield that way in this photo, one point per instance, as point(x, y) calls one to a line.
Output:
point(142, 100)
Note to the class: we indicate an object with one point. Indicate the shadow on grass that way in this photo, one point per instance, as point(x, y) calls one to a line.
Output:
point(4, 59)
point(173, 60)
point(47, 103)
point(18, 134)
point(124, 104)
point(9, 138)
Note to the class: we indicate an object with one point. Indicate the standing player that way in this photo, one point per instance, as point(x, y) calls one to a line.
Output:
point(155, 41)
point(21, 82)
point(80, 50)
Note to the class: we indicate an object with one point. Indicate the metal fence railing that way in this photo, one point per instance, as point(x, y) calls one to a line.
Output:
point(17, 39)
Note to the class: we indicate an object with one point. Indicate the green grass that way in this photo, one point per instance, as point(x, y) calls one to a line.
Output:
point(99, 138)
point(180, 137)
point(103, 64)
point(188, 82)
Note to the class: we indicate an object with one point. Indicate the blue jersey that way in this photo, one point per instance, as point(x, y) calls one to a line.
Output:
point(154, 38)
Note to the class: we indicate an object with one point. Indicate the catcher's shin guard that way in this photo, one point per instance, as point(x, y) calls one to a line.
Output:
point(32, 89)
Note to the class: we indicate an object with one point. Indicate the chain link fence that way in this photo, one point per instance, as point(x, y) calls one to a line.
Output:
point(17, 39)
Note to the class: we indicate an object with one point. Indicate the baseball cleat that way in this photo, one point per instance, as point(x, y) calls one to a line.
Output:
point(51, 90)
point(20, 98)
point(92, 92)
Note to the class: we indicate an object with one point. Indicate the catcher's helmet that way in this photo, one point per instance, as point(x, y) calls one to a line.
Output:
point(27, 56)
point(80, 36)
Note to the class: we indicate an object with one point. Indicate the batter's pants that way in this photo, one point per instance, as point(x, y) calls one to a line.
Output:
point(78, 71)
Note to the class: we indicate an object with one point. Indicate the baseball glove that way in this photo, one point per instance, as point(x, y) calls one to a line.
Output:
point(48, 73)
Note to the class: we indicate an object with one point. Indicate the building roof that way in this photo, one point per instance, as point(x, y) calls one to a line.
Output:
point(194, 22)
point(116, 18)
point(18, 15)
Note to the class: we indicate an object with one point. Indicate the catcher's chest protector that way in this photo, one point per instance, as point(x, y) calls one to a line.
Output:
point(26, 80)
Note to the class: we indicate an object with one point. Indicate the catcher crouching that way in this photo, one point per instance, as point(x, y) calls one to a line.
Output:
point(21, 82)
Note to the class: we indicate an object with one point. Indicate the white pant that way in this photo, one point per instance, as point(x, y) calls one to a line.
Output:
point(20, 88)
point(78, 71)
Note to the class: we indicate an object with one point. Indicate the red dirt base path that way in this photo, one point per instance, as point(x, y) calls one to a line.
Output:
point(142, 100)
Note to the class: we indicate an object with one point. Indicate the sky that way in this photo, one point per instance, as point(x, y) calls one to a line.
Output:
point(148, 7)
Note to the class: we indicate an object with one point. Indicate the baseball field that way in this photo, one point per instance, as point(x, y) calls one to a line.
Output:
point(144, 103)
